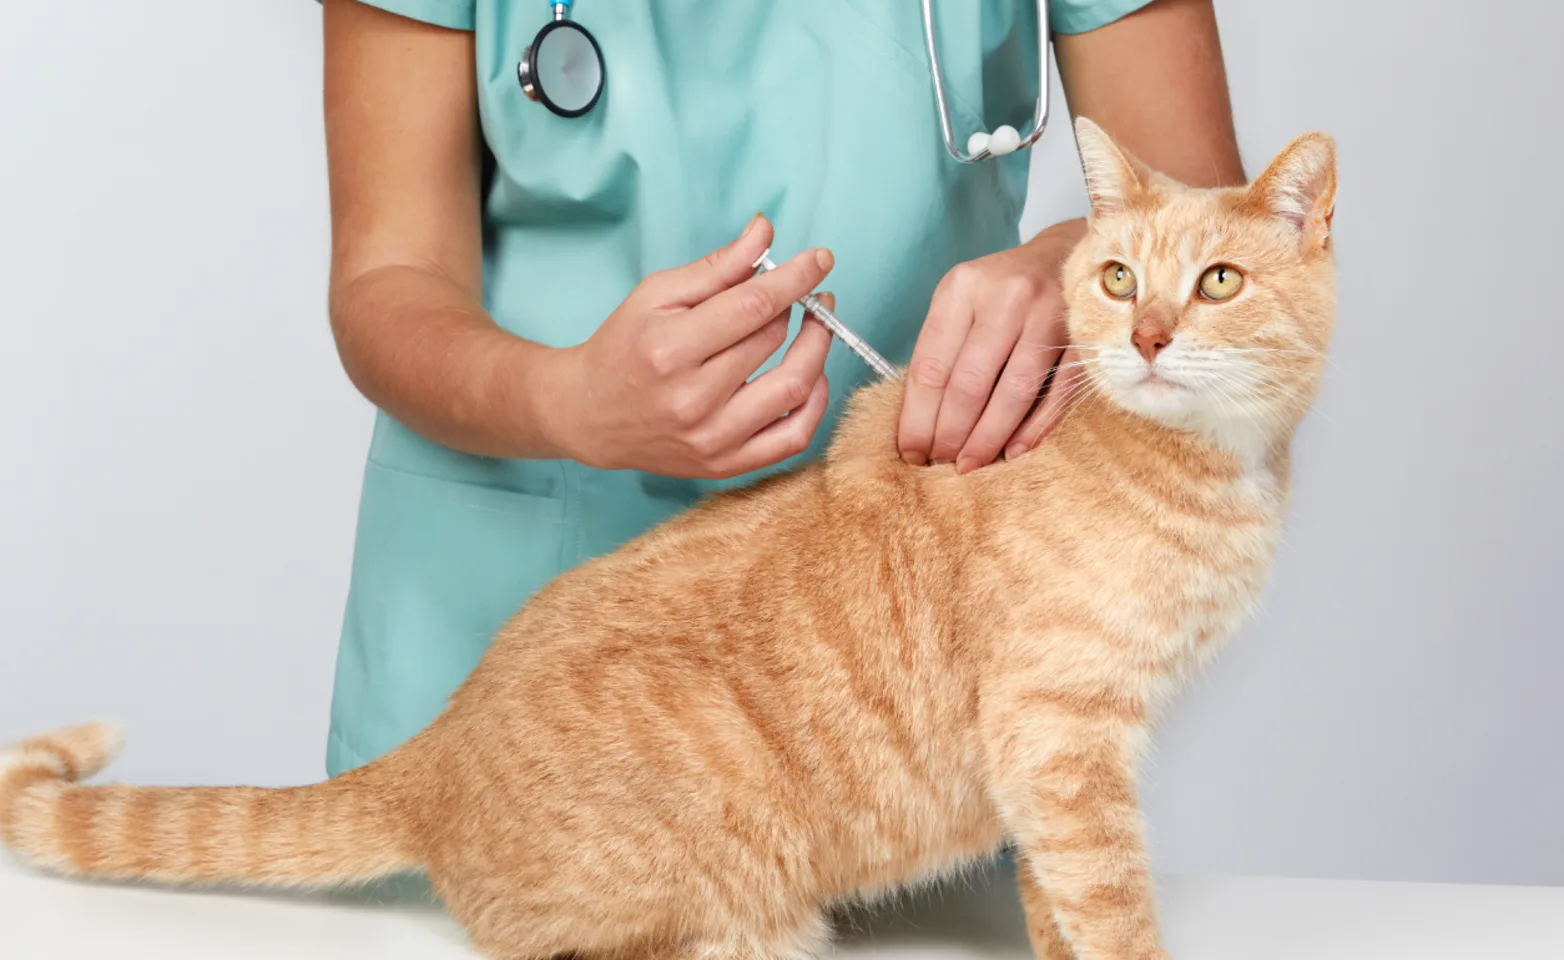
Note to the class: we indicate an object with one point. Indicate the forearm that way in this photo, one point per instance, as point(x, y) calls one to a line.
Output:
point(1156, 82)
point(418, 348)
point(1054, 243)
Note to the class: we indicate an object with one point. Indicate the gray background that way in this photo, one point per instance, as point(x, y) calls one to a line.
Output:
point(181, 449)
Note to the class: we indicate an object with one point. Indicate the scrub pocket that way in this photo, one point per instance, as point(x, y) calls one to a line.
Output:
point(439, 566)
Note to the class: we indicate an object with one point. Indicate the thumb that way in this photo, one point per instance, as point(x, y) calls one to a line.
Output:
point(729, 266)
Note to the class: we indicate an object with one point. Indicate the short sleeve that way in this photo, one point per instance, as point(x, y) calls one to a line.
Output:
point(456, 14)
point(1079, 16)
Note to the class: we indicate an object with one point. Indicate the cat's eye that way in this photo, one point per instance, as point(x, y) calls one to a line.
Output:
point(1118, 280)
point(1221, 282)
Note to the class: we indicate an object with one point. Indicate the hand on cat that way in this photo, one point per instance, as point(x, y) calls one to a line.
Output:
point(994, 330)
point(663, 385)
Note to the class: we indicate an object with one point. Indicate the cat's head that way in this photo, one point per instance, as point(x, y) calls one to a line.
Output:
point(1204, 309)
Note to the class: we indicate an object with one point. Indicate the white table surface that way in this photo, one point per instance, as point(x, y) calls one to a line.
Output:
point(43, 918)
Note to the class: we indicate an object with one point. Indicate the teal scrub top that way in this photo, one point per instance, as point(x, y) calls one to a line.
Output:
point(819, 113)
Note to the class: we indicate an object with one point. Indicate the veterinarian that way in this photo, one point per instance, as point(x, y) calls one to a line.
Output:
point(555, 310)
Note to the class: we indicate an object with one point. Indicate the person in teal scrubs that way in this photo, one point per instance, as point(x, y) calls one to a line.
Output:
point(558, 319)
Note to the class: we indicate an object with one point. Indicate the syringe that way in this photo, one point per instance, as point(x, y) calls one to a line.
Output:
point(854, 342)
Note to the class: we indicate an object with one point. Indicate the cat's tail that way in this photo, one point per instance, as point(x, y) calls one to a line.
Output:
point(345, 830)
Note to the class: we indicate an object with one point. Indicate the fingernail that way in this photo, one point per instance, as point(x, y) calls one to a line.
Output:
point(914, 458)
point(1014, 450)
point(966, 464)
point(824, 259)
point(753, 223)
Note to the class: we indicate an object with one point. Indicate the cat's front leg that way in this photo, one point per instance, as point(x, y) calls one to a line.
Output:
point(1048, 941)
point(1068, 799)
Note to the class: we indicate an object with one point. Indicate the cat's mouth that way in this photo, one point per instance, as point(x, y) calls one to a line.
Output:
point(1158, 383)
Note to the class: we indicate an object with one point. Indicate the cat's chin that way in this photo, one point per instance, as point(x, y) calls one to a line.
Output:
point(1230, 423)
point(1161, 399)
point(1159, 392)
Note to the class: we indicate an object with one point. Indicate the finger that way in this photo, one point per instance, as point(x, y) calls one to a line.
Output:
point(785, 387)
point(785, 438)
point(735, 313)
point(992, 340)
point(695, 283)
point(1069, 383)
point(731, 368)
point(1016, 393)
point(933, 357)
point(728, 372)
point(725, 373)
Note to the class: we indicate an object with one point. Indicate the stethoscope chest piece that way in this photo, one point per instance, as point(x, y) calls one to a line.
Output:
point(563, 69)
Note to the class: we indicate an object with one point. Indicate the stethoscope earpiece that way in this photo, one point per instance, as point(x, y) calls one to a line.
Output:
point(1006, 139)
point(563, 68)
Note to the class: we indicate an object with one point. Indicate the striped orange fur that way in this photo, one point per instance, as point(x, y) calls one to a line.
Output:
point(842, 680)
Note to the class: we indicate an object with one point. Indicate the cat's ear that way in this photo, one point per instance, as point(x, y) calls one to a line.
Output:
point(1113, 176)
point(1299, 188)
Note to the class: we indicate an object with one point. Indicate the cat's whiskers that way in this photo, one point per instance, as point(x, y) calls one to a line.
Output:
point(1251, 403)
point(1074, 390)
point(1077, 381)
point(1266, 388)
point(1081, 390)
point(1037, 381)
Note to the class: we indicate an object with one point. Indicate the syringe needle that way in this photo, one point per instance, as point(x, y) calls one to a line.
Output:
point(818, 310)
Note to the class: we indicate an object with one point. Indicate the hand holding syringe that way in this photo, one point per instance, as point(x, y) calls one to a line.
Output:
point(820, 312)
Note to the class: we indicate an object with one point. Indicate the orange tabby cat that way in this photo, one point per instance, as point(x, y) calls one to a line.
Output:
point(847, 678)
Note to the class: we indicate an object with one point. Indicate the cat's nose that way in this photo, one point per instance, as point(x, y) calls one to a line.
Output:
point(1150, 339)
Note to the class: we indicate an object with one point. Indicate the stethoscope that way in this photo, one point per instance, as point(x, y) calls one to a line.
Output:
point(563, 70)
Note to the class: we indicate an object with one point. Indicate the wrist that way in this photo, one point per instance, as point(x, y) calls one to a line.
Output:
point(1059, 239)
point(531, 387)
